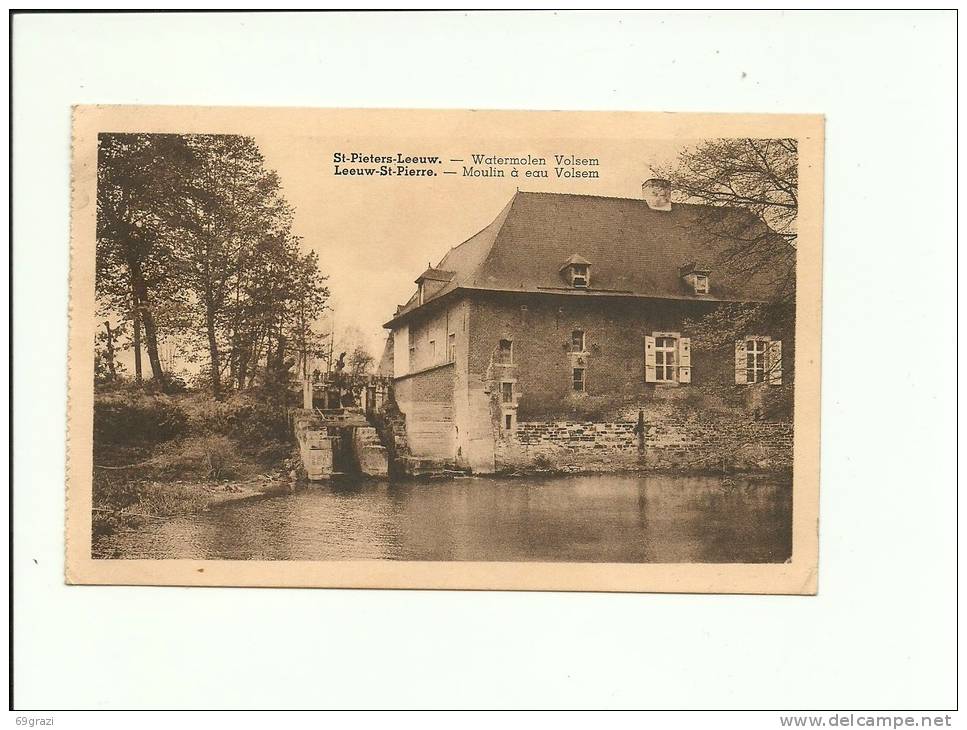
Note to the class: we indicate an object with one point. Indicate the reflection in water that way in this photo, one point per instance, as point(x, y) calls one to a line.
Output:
point(626, 519)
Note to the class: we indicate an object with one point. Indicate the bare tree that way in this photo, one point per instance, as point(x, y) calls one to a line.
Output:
point(749, 193)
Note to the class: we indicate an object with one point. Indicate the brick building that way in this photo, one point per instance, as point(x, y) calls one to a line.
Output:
point(572, 309)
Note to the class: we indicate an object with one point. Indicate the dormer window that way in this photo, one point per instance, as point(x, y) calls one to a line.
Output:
point(430, 282)
point(695, 278)
point(577, 272)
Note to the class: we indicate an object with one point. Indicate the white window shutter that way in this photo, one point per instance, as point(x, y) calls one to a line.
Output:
point(740, 375)
point(775, 362)
point(684, 360)
point(650, 375)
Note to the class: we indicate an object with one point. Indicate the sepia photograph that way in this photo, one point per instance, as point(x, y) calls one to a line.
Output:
point(481, 360)
point(444, 350)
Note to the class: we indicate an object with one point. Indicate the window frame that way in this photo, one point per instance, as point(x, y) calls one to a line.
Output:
point(583, 380)
point(509, 351)
point(584, 341)
point(756, 353)
point(452, 347)
point(701, 283)
point(507, 392)
point(666, 367)
point(582, 272)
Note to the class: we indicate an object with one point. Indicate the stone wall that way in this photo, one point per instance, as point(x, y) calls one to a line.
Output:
point(709, 442)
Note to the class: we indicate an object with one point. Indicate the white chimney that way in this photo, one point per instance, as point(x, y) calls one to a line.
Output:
point(657, 193)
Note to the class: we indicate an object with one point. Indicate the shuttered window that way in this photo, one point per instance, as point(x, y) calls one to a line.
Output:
point(755, 361)
point(666, 350)
point(758, 359)
point(668, 358)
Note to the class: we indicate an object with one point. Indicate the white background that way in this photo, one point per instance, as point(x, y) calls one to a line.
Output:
point(880, 634)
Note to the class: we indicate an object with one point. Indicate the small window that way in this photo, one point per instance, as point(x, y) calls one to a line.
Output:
point(508, 422)
point(577, 341)
point(506, 392)
point(666, 349)
point(577, 380)
point(701, 284)
point(451, 347)
point(579, 275)
point(505, 352)
point(755, 361)
point(421, 293)
point(412, 356)
point(432, 351)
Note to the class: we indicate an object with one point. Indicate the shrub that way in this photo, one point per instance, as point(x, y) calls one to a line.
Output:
point(240, 416)
point(253, 422)
point(133, 418)
point(168, 383)
point(218, 455)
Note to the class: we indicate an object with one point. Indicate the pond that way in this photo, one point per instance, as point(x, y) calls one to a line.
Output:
point(600, 518)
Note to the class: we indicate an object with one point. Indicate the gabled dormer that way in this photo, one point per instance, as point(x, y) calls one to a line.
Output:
point(430, 282)
point(577, 272)
point(696, 278)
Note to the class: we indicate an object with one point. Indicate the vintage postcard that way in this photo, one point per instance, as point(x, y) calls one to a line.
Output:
point(445, 349)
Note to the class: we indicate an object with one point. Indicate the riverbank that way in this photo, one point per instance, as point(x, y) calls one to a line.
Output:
point(158, 456)
point(124, 501)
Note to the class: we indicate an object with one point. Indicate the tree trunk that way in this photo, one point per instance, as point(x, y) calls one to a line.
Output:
point(143, 314)
point(137, 345)
point(151, 342)
point(110, 351)
point(213, 352)
point(241, 369)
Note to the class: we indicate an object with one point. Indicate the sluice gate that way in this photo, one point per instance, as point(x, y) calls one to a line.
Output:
point(338, 441)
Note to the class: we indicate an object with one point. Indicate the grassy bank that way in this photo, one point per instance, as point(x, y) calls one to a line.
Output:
point(159, 455)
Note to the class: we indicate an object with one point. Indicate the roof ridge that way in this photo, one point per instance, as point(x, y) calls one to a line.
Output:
point(607, 197)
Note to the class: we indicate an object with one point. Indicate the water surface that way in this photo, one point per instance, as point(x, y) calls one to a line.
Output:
point(607, 518)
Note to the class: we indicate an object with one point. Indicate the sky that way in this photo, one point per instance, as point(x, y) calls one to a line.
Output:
point(375, 235)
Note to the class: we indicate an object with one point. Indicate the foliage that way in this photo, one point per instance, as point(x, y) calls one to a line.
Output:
point(120, 502)
point(217, 454)
point(748, 190)
point(131, 418)
point(195, 242)
point(242, 417)
point(360, 362)
point(170, 383)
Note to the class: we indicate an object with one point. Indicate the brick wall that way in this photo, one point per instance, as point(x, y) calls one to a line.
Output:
point(426, 401)
point(673, 441)
point(540, 328)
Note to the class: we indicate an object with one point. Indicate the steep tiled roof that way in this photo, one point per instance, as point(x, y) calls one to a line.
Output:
point(632, 249)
